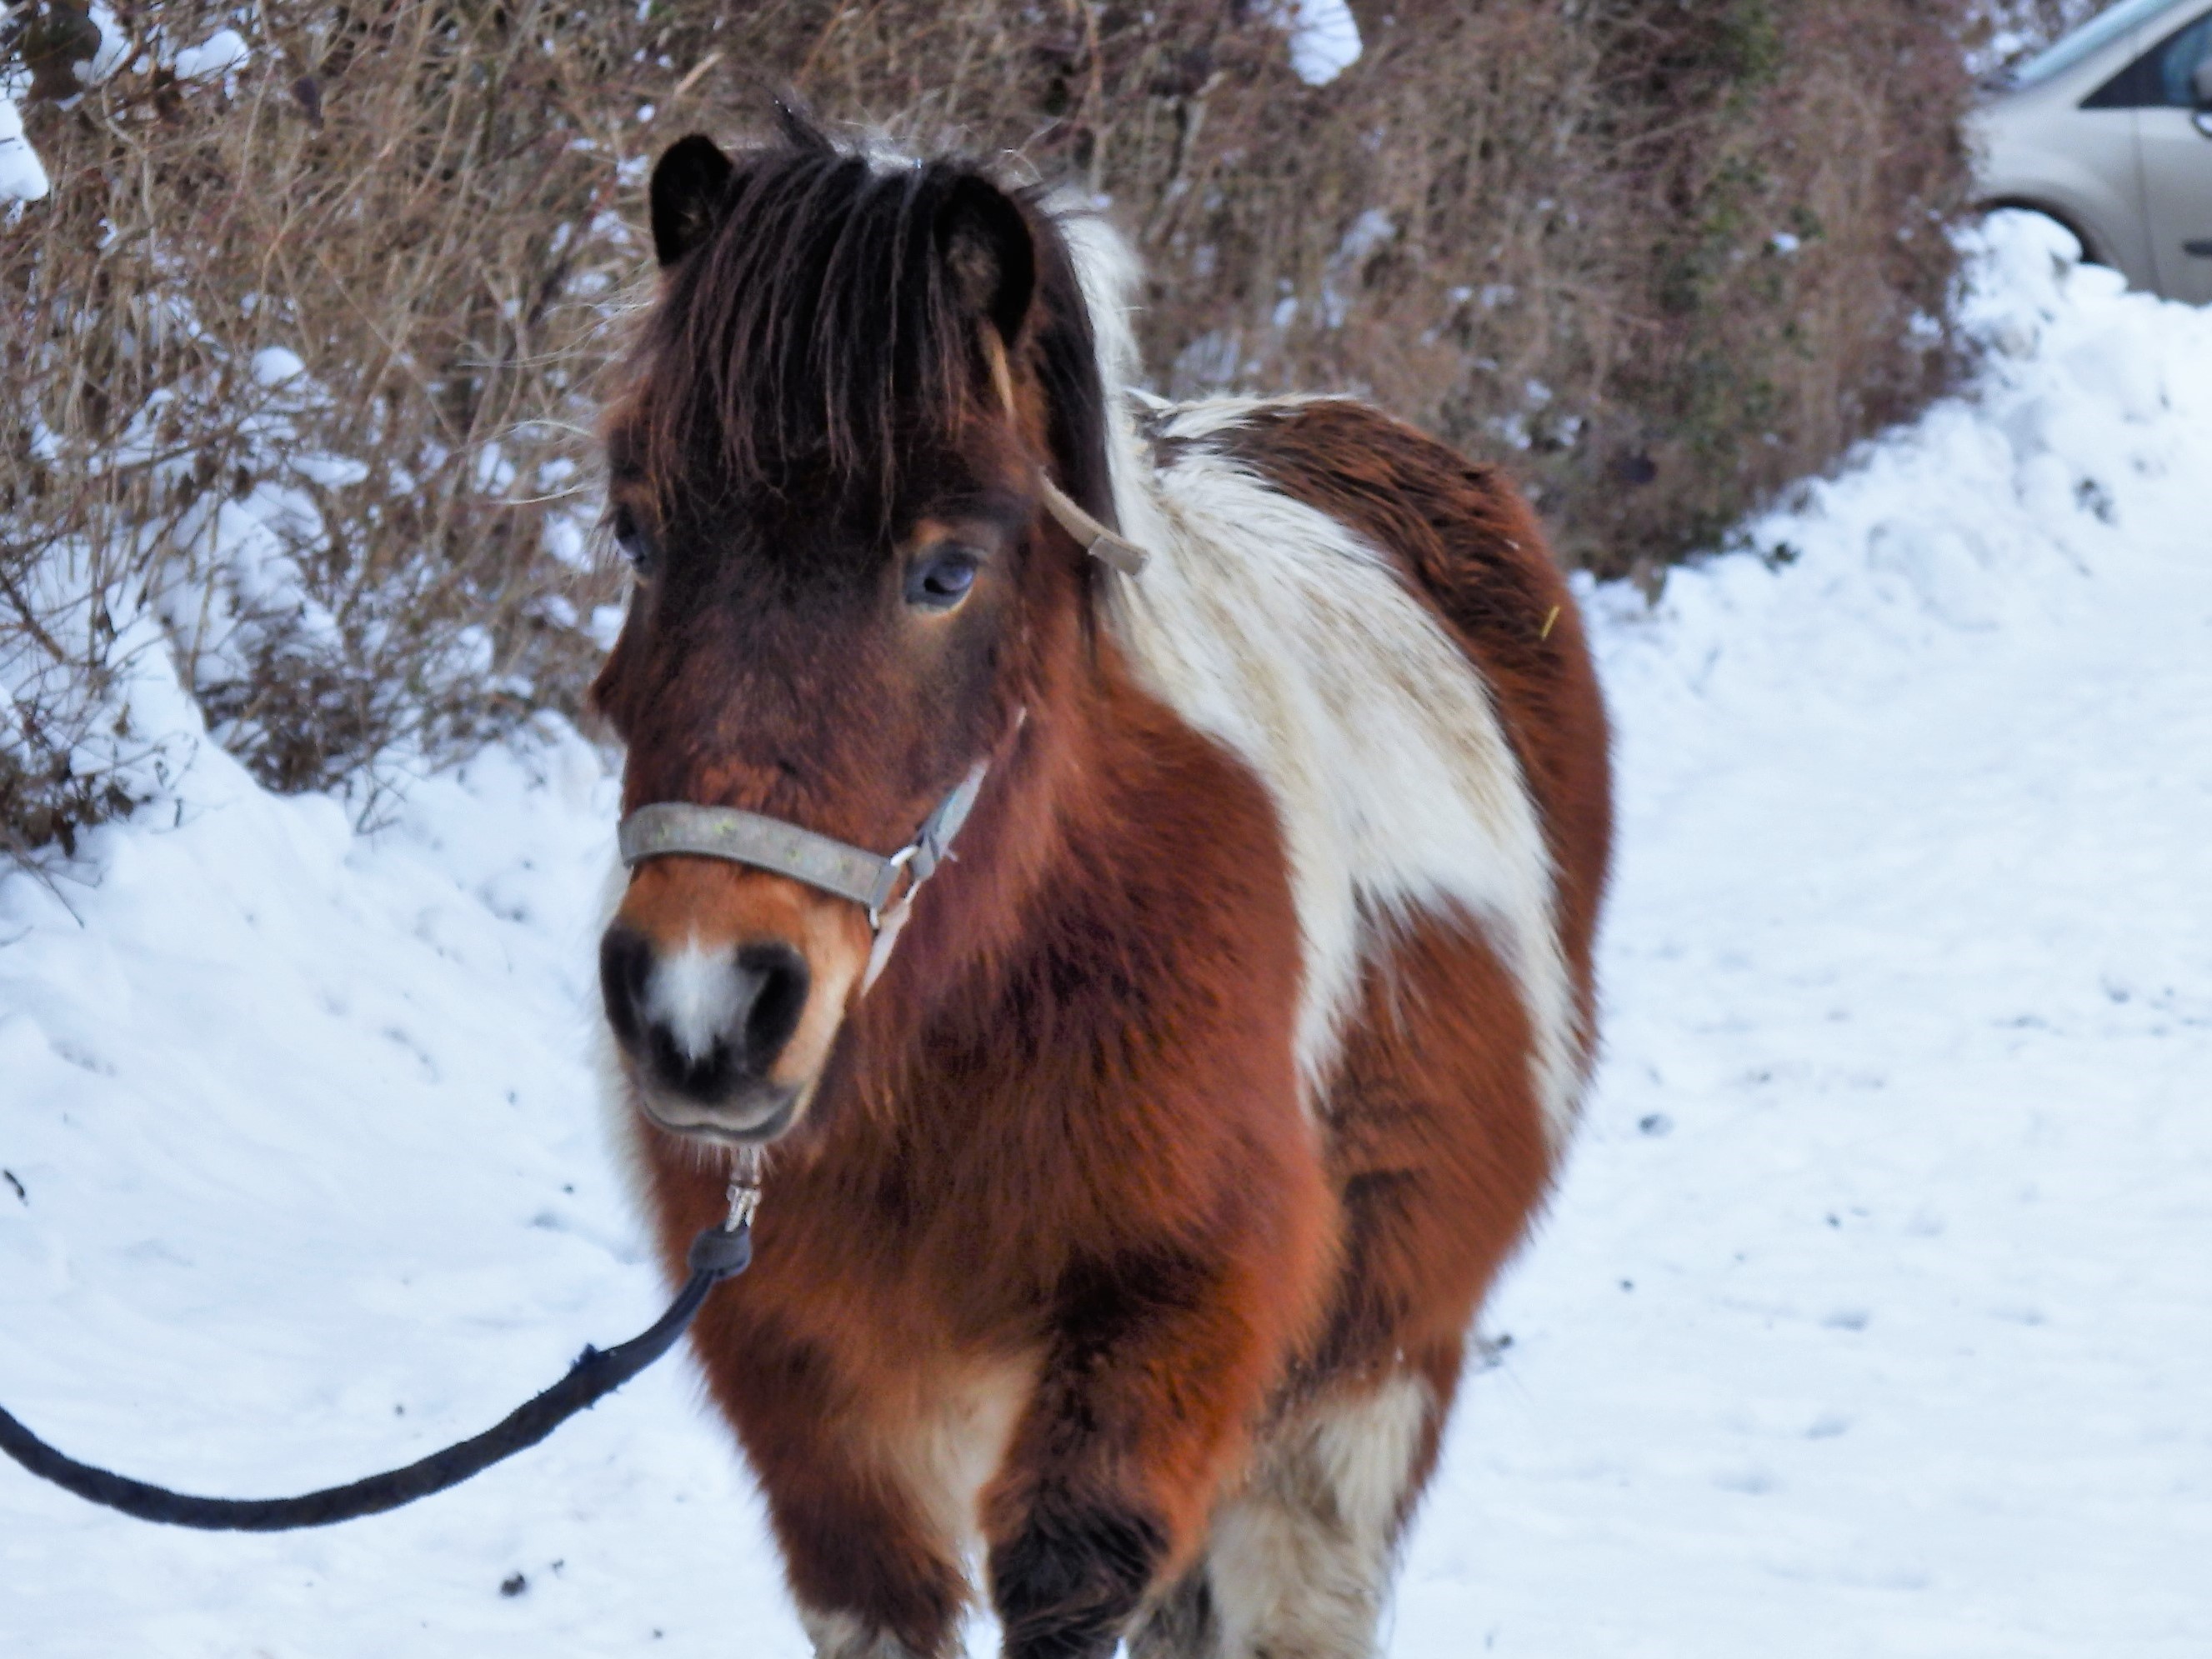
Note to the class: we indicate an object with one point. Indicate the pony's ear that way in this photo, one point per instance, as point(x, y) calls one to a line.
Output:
point(986, 245)
point(688, 186)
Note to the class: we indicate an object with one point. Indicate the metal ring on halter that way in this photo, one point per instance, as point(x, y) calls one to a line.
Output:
point(898, 861)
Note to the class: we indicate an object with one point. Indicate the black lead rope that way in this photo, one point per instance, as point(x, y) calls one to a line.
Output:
point(719, 1252)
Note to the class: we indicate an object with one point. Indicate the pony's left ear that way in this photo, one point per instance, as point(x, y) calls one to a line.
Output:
point(984, 243)
point(689, 183)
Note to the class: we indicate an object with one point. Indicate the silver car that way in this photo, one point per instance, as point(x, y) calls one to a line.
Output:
point(2110, 132)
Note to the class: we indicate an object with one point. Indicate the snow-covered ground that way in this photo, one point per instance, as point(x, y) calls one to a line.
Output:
point(1871, 1318)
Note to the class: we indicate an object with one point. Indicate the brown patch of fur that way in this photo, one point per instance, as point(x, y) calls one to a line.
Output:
point(1438, 1148)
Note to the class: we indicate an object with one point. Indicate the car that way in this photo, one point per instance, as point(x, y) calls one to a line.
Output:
point(2109, 131)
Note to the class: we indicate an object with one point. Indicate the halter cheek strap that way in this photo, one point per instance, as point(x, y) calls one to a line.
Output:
point(1116, 551)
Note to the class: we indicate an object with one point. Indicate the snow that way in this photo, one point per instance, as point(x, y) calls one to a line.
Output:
point(113, 49)
point(23, 175)
point(1324, 39)
point(1869, 1318)
point(273, 366)
point(220, 53)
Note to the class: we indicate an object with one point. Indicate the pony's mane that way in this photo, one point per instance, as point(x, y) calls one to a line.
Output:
point(819, 332)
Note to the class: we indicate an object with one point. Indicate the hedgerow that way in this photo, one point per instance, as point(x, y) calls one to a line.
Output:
point(306, 336)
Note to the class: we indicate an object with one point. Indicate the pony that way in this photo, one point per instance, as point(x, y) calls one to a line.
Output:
point(1131, 1186)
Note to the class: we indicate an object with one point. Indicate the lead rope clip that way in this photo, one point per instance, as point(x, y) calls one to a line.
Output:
point(725, 1251)
point(744, 1191)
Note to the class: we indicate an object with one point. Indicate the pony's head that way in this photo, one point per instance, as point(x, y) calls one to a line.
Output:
point(827, 473)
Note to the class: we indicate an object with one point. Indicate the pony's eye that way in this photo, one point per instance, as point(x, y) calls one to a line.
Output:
point(630, 537)
point(941, 579)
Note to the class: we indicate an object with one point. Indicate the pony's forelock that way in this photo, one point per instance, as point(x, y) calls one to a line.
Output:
point(818, 335)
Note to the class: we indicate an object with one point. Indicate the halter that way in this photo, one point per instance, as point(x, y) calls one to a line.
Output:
point(883, 887)
point(1116, 552)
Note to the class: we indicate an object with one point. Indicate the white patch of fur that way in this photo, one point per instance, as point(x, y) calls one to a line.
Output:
point(1364, 1448)
point(956, 1442)
point(840, 1636)
point(1277, 630)
point(1298, 1561)
point(1108, 269)
point(945, 1436)
point(693, 992)
point(621, 1120)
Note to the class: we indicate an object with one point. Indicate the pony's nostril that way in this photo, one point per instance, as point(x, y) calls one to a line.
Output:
point(625, 965)
point(778, 977)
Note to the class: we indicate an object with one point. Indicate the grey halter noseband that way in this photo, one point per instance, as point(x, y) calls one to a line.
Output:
point(883, 887)
point(869, 879)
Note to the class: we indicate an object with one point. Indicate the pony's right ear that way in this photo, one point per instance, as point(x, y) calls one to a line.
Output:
point(689, 183)
point(986, 243)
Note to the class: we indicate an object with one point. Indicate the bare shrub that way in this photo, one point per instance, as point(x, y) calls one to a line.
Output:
point(1659, 257)
point(301, 351)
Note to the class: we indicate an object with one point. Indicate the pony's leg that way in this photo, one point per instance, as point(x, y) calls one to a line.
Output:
point(845, 1635)
point(1138, 1412)
point(1181, 1624)
point(1301, 1556)
point(868, 1580)
point(864, 1553)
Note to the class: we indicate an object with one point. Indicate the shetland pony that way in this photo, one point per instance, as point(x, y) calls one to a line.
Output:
point(1122, 1237)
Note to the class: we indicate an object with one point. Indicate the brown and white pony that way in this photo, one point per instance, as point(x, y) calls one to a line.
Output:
point(1128, 1228)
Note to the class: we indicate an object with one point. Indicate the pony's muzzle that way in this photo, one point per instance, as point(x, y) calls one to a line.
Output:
point(703, 1028)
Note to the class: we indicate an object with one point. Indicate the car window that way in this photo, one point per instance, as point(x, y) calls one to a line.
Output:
point(2091, 38)
point(2161, 76)
point(2178, 60)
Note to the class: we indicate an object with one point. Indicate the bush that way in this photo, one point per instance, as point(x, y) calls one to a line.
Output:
point(306, 339)
point(295, 339)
